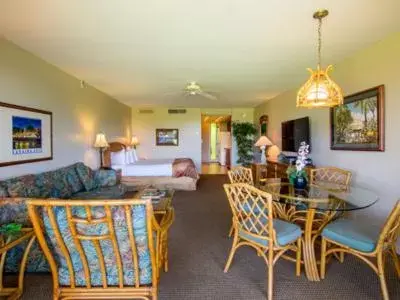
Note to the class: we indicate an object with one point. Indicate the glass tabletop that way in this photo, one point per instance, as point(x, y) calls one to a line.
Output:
point(321, 195)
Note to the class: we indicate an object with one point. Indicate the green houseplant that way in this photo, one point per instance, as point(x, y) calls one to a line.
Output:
point(243, 133)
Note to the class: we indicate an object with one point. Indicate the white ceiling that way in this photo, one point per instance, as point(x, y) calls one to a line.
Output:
point(143, 52)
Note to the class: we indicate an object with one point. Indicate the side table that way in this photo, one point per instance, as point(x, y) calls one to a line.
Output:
point(7, 242)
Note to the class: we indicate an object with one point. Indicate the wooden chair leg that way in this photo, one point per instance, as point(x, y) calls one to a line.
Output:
point(396, 260)
point(232, 253)
point(381, 274)
point(166, 253)
point(298, 258)
point(323, 258)
point(231, 231)
point(270, 273)
point(341, 257)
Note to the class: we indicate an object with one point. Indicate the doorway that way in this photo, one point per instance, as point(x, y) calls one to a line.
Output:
point(216, 143)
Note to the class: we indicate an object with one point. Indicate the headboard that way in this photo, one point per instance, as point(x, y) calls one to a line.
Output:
point(114, 147)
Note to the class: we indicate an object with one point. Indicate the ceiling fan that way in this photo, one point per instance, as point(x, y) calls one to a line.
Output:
point(194, 89)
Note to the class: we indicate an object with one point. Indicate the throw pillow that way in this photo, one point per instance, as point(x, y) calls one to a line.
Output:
point(105, 178)
point(86, 176)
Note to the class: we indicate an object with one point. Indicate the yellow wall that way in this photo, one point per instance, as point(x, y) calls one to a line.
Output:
point(378, 64)
point(78, 114)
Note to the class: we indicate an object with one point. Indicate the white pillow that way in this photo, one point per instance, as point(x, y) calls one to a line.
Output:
point(118, 158)
point(135, 157)
point(131, 156)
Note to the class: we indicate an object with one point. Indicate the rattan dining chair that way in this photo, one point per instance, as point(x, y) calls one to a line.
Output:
point(240, 175)
point(100, 249)
point(255, 227)
point(330, 174)
point(347, 236)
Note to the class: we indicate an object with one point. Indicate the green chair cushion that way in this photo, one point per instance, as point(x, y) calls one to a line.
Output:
point(351, 233)
point(286, 233)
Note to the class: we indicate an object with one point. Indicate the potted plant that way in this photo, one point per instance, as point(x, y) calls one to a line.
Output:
point(244, 132)
point(296, 174)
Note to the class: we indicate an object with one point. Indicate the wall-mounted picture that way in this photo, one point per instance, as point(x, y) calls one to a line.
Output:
point(167, 137)
point(264, 125)
point(358, 124)
point(26, 135)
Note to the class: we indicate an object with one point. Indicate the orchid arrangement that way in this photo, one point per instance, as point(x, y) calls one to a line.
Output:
point(298, 169)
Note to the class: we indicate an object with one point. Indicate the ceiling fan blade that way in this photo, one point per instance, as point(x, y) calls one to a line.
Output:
point(208, 95)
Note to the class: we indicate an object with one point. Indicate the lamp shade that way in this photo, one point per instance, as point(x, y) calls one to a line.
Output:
point(263, 141)
point(101, 141)
point(134, 141)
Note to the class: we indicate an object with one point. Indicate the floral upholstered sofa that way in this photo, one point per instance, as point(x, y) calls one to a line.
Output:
point(76, 181)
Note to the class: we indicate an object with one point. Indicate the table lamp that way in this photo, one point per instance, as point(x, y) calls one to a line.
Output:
point(101, 143)
point(263, 142)
point(134, 141)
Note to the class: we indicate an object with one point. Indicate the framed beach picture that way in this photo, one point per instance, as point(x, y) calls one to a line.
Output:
point(358, 124)
point(26, 135)
point(167, 137)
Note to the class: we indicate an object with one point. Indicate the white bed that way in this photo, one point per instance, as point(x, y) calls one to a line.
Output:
point(173, 173)
point(148, 167)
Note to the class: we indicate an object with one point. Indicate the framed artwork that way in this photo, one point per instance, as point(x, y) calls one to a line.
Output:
point(264, 125)
point(358, 124)
point(167, 137)
point(26, 135)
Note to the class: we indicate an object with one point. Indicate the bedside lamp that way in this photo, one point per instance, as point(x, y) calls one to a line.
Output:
point(101, 143)
point(134, 141)
point(263, 142)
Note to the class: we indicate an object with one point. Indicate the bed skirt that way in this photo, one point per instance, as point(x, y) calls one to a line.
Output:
point(160, 182)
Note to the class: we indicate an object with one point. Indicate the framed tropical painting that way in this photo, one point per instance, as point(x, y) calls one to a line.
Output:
point(358, 124)
point(167, 137)
point(26, 135)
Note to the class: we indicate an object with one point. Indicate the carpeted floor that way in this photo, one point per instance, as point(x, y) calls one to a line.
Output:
point(198, 249)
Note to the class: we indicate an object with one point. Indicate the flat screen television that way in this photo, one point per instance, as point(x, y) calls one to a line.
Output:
point(294, 132)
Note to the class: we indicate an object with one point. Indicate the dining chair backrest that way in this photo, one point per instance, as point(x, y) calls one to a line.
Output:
point(252, 210)
point(330, 174)
point(391, 229)
point(241, 175)
point(97, 244)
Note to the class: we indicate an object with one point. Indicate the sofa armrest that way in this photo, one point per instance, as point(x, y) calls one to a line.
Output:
point(105, 178)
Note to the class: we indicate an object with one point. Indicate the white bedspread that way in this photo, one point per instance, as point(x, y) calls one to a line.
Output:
point(148, 167)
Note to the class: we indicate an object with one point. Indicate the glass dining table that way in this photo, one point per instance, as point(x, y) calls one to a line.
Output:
point(313, 208)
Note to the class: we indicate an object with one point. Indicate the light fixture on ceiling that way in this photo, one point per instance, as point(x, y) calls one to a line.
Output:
point(193, 88)
point(319, 90)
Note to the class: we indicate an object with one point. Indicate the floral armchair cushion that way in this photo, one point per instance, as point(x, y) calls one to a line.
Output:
point(138, 214)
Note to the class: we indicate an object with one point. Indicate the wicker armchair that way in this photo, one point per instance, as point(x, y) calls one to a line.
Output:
point(102, 249)
point(255, 227)
point(347, 236)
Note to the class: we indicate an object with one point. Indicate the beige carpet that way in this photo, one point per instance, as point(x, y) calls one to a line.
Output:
point(198, 250)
